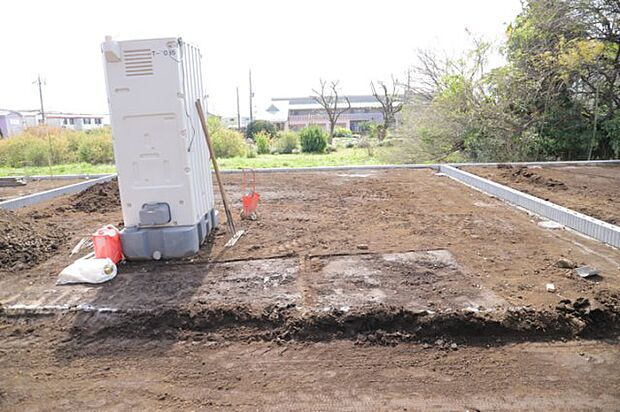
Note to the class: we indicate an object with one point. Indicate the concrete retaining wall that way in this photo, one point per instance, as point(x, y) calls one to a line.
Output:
point(35, 198)
point(597, 229)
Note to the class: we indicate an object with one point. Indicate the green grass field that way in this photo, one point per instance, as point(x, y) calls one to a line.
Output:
point(342, 157)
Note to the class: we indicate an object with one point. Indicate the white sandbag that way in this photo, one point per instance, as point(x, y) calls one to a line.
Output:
point(88, 271)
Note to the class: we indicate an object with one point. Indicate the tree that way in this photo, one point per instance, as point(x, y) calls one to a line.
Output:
point(457, 113)
point(258, 126)
point(327, 97)
point(390, 105)
point(557, 96)
point(428, 73)
point(568, 54)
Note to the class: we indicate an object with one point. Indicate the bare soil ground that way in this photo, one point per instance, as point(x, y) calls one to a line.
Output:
point(323, 214)
point(248, 328)
point(26, 241)
point(30, 236)
point(591, 190)
point(33, 186)
point(38, 372)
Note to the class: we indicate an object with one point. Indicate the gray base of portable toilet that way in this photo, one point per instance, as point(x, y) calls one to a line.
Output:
point(169, 242)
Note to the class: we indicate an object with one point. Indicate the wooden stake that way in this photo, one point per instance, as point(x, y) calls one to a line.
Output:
point(231, 224)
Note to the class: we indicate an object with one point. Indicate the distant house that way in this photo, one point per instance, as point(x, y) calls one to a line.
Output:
point(304, 111)
point(231, 122)
point(11, 123)
point(75, 121)
point(30, 118)
point(277, 113)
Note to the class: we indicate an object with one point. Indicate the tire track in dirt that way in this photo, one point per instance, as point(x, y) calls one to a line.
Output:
point(307, 267)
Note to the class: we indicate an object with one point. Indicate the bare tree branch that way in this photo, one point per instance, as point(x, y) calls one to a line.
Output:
point(391, 104)
point(327, 97)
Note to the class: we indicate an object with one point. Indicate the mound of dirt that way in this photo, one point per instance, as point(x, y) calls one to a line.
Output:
point(24, 241)
point(523, 174)
point(101, 197)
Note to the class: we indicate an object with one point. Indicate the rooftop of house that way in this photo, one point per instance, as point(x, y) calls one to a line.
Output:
point(276, 112)
point(312, 99)
point(55, 114)
point(5, 112)
point(310, 103)
point(341, 104)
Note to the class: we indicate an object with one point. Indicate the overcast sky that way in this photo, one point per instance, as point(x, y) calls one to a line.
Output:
point(288, 44)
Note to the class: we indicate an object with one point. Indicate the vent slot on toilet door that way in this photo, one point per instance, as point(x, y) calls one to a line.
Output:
point(138, 62)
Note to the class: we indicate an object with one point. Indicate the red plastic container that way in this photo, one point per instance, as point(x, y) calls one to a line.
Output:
point(107, 243)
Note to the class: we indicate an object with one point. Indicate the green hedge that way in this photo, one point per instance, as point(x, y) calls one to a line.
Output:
point(41, 146)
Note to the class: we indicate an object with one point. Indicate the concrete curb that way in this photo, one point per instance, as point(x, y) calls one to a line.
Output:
point(597, 229)
point(35, 198)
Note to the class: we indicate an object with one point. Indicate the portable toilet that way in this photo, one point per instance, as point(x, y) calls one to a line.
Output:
point(160, 150)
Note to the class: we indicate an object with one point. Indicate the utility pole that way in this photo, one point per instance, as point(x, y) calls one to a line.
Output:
point(251, 95)
point(238, 112)
point(39, 83)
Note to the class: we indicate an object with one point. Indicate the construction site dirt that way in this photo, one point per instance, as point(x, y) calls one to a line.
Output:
point(591, 190)
point(352, 290)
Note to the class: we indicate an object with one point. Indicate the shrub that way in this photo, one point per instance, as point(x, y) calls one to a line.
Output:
point(342, 132)
point(313, 139)
point(228, 143)
point(42, 145)
point(37, 152)
point(287, 142)
point(12, 152)
point(95, 149)
point(369, 128)
point(363, 143)
point(251, 152)
point(214, 124)
point(387, 143)
point(262, 142)
point(366, 143)
point(257, 126)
